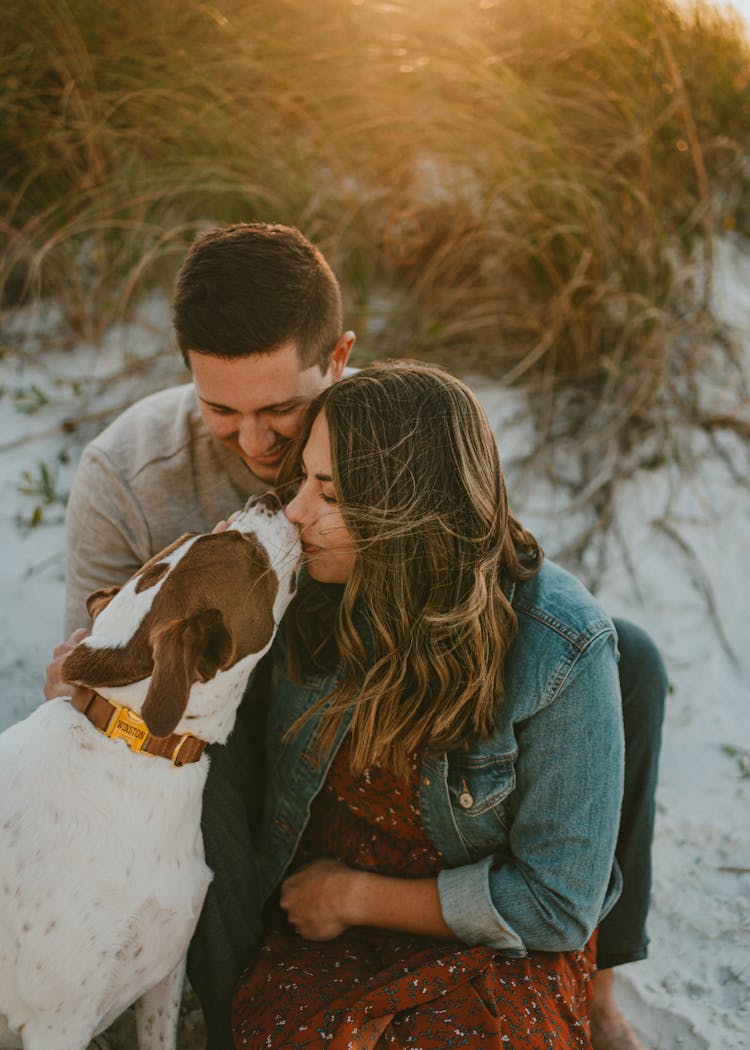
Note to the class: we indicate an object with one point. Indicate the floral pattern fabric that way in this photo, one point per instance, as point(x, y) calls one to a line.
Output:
point(377, 989)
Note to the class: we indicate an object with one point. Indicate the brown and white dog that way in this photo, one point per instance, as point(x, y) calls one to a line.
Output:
point(102, 870)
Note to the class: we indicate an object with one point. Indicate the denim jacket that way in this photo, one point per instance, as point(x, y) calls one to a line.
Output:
point(525, 821)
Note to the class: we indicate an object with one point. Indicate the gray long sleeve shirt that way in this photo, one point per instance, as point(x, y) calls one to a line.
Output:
point(151, 475)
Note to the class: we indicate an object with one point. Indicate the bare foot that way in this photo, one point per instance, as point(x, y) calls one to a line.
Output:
point(609, 1029)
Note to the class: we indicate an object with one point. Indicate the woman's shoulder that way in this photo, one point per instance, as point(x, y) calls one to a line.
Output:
point(554, 602)
point(562, 632)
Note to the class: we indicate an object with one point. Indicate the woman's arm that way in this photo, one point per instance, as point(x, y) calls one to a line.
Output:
point(326, 897)
point(565, 814)
point(563, 817)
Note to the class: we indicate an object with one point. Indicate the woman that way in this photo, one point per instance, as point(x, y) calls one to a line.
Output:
point(444, 747)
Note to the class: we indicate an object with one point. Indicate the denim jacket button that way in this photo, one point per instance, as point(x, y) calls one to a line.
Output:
point(465, 800)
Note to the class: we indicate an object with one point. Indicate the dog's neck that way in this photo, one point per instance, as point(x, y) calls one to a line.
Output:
point(213, 705)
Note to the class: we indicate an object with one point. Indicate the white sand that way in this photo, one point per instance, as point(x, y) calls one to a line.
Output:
point(686, 531)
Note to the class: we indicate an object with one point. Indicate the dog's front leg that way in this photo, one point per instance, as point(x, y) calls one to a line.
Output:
point(157, 1012)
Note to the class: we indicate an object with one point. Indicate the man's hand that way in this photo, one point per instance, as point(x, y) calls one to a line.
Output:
point(54, 685)
point(222, 526)
point(314, 898)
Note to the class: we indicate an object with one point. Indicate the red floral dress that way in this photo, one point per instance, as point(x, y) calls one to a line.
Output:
point(372, 988)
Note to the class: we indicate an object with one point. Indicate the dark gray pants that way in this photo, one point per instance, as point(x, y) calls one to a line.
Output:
point(643, 684)
point(230, 925)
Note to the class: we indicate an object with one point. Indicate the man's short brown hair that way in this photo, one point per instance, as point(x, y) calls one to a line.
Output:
point(250, 289)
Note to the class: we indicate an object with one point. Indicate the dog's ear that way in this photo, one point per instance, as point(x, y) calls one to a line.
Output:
point(100, 600)
point(85, 665)
point(184, 652)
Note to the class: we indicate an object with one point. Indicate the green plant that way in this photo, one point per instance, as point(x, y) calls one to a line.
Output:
point(29, 399)
point(43, 488)
point(741, 755)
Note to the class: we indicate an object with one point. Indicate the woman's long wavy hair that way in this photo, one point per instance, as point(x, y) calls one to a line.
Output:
point(421, 630)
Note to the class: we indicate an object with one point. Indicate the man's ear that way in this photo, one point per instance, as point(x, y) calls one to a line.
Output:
point(100, 600)
point(340, 355)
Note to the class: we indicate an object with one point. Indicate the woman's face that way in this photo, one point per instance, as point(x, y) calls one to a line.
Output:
point(327, 544)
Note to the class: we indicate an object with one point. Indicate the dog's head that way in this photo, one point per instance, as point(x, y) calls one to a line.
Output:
point(206, 606)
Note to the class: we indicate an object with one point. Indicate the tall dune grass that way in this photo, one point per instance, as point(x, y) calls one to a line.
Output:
point(532, 186)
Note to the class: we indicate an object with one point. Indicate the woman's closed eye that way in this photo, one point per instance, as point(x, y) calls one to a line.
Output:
point(327, 497)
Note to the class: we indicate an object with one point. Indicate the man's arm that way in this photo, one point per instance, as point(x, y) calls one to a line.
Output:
point(108, 538)
point(107, 541)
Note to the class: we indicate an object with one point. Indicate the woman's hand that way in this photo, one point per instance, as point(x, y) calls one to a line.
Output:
point(326, 897)
point(314, 898)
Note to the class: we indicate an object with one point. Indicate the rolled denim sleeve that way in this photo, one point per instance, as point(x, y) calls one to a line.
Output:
point(467, 907)
point(549, 893)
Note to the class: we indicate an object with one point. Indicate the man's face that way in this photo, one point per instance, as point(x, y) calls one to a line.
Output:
point(255, 404)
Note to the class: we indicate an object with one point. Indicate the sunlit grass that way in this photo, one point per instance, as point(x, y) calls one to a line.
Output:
point(532, 187)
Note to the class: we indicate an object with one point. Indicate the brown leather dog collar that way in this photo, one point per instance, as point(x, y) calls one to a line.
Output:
point(120, 723)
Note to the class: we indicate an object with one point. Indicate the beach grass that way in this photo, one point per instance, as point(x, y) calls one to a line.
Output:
point(530, 189)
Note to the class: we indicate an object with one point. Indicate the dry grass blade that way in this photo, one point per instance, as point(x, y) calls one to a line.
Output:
point(530, 187)
point(730, 420)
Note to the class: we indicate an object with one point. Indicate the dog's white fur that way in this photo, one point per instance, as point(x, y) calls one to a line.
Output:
point(102, 871)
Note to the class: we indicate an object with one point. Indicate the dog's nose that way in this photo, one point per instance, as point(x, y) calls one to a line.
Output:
point(269, 500)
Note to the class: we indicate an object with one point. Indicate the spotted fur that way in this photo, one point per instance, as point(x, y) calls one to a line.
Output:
point(102, 872)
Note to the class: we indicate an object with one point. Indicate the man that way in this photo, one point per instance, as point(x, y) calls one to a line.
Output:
point(257, 313)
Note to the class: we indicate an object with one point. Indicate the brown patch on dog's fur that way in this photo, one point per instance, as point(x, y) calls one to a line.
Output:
point(100, 600)
point(214, 608)
point(151, 576)
point(152, 571)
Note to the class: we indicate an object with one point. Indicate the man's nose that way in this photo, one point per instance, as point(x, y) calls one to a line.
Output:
point(255, 438)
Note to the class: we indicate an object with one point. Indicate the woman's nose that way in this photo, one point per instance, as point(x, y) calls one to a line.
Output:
point(292, 510)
